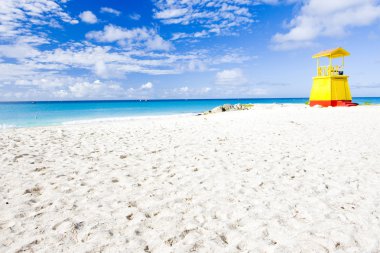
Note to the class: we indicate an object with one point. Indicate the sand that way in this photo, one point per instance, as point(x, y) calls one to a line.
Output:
point(278, 178)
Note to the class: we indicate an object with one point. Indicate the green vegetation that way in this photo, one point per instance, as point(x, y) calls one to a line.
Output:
point(247, 105)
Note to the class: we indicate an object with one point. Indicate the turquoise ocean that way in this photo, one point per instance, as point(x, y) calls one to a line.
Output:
point(30, 114)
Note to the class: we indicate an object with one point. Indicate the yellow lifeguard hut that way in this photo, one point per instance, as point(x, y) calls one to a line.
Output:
point(330, 86)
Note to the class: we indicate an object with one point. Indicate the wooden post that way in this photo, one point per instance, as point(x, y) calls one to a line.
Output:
point(330, 66)
point(317, 66)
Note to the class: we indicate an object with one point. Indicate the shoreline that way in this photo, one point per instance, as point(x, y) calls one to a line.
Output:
point(104, 118)
point(99, 120)
point(124, 119)
point(118, 119)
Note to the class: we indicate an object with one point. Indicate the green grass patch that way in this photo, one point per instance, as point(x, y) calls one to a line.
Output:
point(247, 105)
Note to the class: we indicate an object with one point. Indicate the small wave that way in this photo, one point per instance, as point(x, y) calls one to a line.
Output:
point(118, 119)
point(6, 126)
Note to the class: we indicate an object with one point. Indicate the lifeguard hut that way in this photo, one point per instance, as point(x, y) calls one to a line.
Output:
point(330, 86)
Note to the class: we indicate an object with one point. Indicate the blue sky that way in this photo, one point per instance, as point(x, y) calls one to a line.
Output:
point(158, 49)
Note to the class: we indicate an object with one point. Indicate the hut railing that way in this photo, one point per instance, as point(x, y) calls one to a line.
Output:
point(330, 71)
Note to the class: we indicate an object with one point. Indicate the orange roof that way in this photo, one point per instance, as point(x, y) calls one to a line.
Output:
point(333, 53)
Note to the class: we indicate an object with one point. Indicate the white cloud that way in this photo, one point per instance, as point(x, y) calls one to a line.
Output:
point(135, 16)
point(13, 71)
point(32, 40)
point(258, 91)
point(60, 94)
point(110, 10)
point(113, 33)
point(44, 83)
point(274, 2)
point(88, 90)
point(156, 42)
point(219, 17)
point(19, 18)
point(140, 68)
point(88, 17)
point(18, 51)
point(45, 69)
point(101, 69)
point(106, 63)
point(61, 87)
point(201, 34)
point(136, 37)
point(196, 65)
point(233, 57)
point(205, 90)
point(366, 86)
point(93, 61)
point(170, 13)
point(67, 69)
point(326, 18)
point(147, 86)
point(184, 89)
point(177, 92)
point(230, 77)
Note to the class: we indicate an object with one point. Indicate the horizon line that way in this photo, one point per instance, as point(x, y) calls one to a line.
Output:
point(154, 99)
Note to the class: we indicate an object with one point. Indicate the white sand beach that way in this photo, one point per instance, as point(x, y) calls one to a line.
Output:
point(277, 178)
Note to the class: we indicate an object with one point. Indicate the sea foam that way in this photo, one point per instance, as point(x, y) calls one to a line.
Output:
point(6, 126)
point(118, 119)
